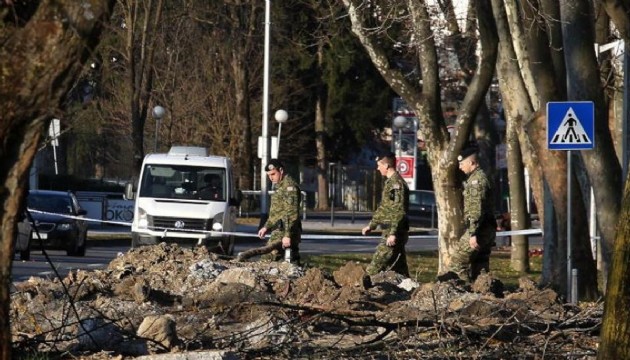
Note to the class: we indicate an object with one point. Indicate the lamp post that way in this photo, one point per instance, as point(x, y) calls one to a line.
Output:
point(281, 117)
point(264, 159)
point(158, 113)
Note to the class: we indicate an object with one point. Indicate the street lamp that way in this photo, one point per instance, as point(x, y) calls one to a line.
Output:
point(264, 159)
point(281, 117)
point(400, 122)
point(158, 113)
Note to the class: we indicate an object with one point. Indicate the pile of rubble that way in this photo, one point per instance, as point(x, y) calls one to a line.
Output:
point(169, 299)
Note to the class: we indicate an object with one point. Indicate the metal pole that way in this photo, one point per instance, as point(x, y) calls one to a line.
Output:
point(279, 132)
point(415, 154)
point(399, 142)
point(574, 286)
point(265, 126)
point(155, 143)
point(332, 196)
point(55, 159)
point(569, 229)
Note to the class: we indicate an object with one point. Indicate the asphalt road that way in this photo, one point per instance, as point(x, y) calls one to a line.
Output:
point(321, 236)
point(100, 252)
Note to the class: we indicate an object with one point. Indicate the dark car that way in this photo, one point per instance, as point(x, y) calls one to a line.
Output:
point(422, 208)
point(59, 222)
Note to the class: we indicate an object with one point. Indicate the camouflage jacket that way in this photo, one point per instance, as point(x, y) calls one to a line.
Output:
point(391, 214)
point(478, 202)
point(284, 212)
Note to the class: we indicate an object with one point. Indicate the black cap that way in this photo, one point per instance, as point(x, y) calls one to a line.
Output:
point(274, 164)
point(468, 150)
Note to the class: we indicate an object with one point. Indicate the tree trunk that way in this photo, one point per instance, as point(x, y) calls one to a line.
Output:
point(426, 99)
point(142, 19)
point(241, 89)
point(31, 95)
point(615, 342)
point(320, 137)
point(518, 107)
point(584, 84)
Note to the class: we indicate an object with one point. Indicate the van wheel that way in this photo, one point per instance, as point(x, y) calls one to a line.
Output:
point(227, 243)
point(135, 240)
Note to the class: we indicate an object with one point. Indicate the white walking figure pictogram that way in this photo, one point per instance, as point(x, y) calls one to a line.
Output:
point(570, 131)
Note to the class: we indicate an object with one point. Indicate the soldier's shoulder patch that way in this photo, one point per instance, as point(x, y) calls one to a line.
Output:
point(475, 182)
point(291, 188)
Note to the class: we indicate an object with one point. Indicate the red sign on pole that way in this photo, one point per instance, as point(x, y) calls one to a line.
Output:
point(404, 165)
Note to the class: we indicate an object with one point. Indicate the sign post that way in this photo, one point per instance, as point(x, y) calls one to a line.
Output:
point(570, 126)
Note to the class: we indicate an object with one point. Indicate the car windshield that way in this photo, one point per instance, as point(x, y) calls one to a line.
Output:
point(422, 197)
point(183, 182)
point(59, 204)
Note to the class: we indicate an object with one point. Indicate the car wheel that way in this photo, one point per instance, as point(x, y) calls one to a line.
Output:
point(72, 248)
point(82, 247)
point(25, 255)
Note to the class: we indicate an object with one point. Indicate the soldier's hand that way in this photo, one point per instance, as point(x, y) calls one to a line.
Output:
point(286, 242)
point(366, 230)
point(262, 232)
point(391, 240)
point(473, 242)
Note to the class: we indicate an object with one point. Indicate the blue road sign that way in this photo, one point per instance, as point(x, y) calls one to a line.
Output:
point(570, 125)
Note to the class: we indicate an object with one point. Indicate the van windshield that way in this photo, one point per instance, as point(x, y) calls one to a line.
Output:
point(183, 182)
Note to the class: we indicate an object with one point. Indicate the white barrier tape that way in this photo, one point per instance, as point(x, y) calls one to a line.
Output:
point(520, 232)
point(81, 218)
point(304, 236)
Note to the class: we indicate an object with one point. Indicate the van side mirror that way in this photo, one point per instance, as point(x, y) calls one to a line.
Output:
point(236, 200)
point(129, 193)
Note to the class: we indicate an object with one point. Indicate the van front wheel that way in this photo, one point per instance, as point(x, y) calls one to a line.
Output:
point(227, 243)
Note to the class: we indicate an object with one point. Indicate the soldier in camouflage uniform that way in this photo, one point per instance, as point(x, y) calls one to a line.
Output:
point(391, 215)
point(284, 214)
point(472, 252)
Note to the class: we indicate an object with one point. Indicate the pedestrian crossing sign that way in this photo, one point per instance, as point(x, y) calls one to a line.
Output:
point(570, 125)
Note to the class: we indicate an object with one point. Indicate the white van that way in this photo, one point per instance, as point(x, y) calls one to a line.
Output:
point(184, 194)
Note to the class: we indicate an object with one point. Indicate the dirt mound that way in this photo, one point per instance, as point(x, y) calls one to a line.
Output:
point(169, 299)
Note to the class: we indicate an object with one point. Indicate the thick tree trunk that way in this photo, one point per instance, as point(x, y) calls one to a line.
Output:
point(615, 331)
point(61, 35)
point(584, 84)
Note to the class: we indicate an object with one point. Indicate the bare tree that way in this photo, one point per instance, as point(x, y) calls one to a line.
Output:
point(584, 84)
point(425, 98)
point(139, 21)
point(61, 35)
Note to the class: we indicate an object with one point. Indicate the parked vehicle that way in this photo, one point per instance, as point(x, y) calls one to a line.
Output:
point(422, 208)
point(184, 194)
point(58, 223)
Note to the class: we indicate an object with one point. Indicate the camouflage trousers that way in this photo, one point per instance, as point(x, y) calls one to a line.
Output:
point(390, 257)
point(277, 254)
point(468, 262)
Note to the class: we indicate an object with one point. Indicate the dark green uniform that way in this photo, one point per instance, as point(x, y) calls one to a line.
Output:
point(478, 220)
point(284, 218)
point(391, 215)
